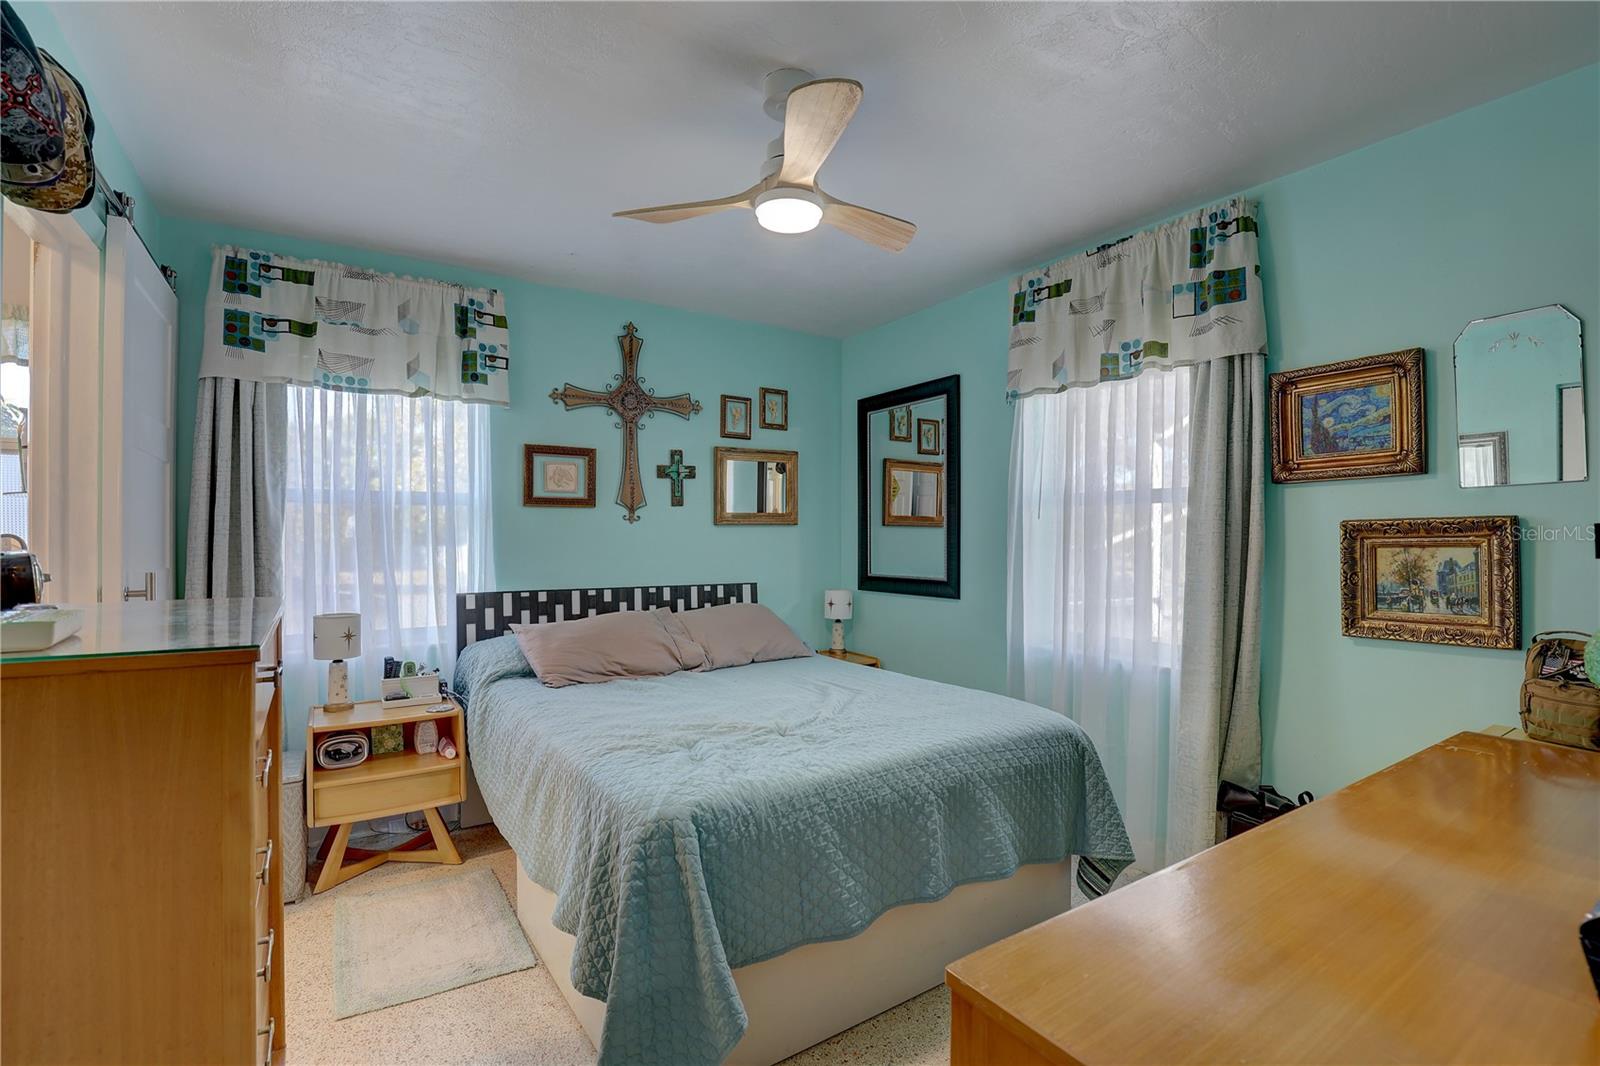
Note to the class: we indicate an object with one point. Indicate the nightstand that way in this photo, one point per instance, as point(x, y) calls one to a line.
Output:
point(852, 657)
point(382, 785)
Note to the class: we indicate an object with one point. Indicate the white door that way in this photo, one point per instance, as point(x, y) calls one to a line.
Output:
point(141, 351)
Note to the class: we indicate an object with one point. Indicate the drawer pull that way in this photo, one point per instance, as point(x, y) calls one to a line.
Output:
point(270, 1032)
point(268, 941)
point(266, 864)
point(266, 767)
point(266, 674)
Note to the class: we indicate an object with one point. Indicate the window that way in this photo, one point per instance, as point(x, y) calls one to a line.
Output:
point(386, 512)
point(1099, 512)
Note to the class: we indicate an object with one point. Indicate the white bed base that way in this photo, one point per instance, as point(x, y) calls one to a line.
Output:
point(814, 991)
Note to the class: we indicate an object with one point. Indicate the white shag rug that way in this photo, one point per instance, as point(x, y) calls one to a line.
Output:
point(397, 944)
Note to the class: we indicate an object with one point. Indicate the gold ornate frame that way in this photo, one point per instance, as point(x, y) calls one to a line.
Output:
point(890, 465)
point(1499, 580)
point(789, 516)
point(1409, 455)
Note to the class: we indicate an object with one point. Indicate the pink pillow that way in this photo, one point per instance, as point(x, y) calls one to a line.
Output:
point(739, 633)
point(608, 647)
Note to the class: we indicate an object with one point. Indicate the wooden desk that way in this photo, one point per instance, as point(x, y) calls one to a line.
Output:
point(1428, 913)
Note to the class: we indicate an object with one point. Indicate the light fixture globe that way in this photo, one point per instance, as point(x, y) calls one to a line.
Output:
point(788, 210)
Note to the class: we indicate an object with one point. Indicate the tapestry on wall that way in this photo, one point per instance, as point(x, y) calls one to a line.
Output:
point(1185, 292)
point(271, 318)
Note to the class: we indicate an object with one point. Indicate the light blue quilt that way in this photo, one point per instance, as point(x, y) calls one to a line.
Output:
point(696, 823)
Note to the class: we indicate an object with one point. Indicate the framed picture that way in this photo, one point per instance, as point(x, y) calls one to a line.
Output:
point(774, 408)
point(900, 423)
point(554, 475)
point(928, 436)
point(736, 417)
point(1432, 580)
point(1359, 418)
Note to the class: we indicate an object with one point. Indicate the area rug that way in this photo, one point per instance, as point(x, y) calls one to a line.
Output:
point(414, 940)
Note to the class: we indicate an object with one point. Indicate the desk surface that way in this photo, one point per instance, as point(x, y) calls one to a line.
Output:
point(1428, 913)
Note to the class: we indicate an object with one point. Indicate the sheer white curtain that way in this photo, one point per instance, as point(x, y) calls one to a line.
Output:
point(1099, 510)
point(386, 512)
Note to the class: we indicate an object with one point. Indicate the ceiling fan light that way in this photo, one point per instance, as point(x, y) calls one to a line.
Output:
point(789, 210)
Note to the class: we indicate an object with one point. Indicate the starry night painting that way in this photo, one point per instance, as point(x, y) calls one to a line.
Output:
point(1344, 421)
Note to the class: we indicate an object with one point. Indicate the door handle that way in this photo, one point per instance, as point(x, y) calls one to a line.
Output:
point(147, 593)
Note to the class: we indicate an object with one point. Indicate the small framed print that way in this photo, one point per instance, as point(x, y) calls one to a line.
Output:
point(928, 434)
point(900, 423)
point(736, 417)
point(554, 475)
point(1432, 580)
point(774, 408)
point(1358, 418)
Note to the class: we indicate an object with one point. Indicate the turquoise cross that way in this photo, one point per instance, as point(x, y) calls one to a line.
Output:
point(677, 472)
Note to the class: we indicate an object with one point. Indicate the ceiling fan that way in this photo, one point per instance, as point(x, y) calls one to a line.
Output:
point(787, 199)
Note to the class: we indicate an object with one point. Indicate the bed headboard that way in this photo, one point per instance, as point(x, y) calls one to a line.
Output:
point(481, 615)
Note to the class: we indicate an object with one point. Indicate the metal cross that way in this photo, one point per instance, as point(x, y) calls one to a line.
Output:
point(677, 472)
point(630, 402)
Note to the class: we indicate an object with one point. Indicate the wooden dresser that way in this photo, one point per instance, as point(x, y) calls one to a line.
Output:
point(1428, 913)
point(141, 906)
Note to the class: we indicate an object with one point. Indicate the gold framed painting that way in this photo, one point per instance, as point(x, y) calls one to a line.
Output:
point(1432, 580)
point(1357, 418)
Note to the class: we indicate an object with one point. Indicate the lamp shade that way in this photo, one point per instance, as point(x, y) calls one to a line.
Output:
point(336, 636)
point(837, 604)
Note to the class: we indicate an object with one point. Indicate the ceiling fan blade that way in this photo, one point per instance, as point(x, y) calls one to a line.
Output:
point(813, 120)
point(679, 212)
point(887, 232)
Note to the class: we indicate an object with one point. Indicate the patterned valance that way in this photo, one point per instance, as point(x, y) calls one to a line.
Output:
point(1182, 293)
point(308, 322)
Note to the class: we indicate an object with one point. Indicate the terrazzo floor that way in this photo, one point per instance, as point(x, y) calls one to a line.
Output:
point(517, 1017)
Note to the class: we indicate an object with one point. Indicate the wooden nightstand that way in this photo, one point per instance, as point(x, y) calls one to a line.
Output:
point(383, 785)
point(849, 656)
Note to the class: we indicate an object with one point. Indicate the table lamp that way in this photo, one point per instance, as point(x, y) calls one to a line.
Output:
point(837, 605)
point(335, 638)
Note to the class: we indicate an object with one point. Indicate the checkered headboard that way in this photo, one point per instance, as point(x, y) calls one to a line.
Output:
point(481, 615)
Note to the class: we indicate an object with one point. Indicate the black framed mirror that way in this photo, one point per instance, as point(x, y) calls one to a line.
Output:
point(908, 490)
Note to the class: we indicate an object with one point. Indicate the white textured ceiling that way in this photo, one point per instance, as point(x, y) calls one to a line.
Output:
point(504, 135)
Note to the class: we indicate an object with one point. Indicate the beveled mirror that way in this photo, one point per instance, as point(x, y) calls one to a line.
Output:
point(1519, 399)
point(908, 531)
point(756, 487)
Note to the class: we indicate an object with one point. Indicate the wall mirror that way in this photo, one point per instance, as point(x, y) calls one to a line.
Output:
point(908, 479)
point(756, 487)
point(1519, 399)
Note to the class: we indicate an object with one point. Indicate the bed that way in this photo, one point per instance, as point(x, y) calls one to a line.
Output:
point(734, 865)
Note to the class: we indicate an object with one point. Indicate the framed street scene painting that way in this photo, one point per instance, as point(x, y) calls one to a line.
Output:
point(1432, 580)
point(1358, 418)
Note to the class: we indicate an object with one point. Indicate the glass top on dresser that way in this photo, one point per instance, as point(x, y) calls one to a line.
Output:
point(161, 628)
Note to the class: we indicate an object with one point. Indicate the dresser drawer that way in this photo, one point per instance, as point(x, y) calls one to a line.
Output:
point(334, 800)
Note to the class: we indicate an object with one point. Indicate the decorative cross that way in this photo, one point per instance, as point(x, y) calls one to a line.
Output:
point(630, 402)
point(677, 472)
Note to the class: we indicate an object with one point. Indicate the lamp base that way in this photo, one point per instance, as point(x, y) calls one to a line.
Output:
point(338, 687)
point(838, 636)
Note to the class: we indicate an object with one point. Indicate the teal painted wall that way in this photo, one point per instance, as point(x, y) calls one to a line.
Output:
point(559, 335)
point(1398, 244)
point(108, 152)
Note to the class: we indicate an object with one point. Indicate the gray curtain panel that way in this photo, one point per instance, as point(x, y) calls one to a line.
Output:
point(1219, 728)
point(235, 545)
